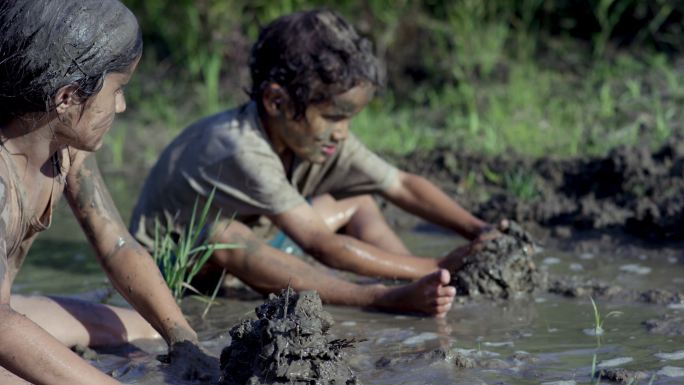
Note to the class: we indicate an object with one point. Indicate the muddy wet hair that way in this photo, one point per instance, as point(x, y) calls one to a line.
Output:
point(47, 44)
point(314, 55)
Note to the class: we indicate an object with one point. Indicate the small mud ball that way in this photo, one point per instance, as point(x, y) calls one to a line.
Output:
point(288, 343)
point(503, 268)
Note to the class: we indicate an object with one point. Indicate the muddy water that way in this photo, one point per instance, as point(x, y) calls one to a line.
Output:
point(540, 340)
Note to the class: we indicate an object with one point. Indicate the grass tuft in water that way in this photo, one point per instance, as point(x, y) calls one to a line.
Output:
point(180, 260)
point(599, 320)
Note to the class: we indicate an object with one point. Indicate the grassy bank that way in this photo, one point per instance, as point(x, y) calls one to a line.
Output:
point(537, 78)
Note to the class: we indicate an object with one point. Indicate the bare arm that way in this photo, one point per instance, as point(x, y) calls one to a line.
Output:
point(129, 267)
point(309, 230)
point(421, 197)
point(25, 348)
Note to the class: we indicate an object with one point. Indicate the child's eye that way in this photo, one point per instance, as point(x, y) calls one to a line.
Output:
point(335, 118)
point(121, 90)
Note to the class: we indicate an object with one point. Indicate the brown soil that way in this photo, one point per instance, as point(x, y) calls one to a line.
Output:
point(288, 343)
point(502, 269)
point(633, 189)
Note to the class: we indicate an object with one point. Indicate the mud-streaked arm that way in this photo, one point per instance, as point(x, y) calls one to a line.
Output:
point(306, 227)
point(127, 264)
point(26, 349)
point(421, 197)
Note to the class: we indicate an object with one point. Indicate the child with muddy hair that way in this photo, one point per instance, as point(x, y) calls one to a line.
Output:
point(63, 66)
point(288, 156)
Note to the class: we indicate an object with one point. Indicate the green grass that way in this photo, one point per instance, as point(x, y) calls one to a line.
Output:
point(600, 319)
point(182, 259)
point(492, 79)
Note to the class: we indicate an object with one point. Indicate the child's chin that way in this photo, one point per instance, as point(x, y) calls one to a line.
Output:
point(318, 159)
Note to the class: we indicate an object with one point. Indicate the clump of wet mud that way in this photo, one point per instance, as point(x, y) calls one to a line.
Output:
point(669, 325)
point(460, 359)
point(501, 269)
point(635, 189)
point(622, 376)
point(578, 287)
point(288, 343)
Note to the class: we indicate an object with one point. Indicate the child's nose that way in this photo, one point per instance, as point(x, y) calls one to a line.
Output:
point(120, 103)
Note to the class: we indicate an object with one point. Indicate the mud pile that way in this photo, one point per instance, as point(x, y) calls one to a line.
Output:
point(634, 189)
point(621, 376)
point(288, 343)
point(669, 325)
point(503, 268)
point(460, 359)
point(578, 287)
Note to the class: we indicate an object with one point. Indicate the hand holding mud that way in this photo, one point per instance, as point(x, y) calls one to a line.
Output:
point(498, 266)
point(190, 362)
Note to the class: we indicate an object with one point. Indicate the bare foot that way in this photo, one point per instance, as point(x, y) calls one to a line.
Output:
point(428, 295)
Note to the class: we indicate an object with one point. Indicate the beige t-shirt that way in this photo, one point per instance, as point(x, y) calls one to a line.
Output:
point(231, 153)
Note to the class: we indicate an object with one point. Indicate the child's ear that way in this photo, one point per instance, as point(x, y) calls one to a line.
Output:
point(66, 98)
point(275, 100)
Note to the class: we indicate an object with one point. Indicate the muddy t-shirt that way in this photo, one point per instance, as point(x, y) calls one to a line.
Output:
point(230, 153)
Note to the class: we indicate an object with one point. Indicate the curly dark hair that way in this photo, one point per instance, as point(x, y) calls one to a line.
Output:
point(46, 45)
point(313, 55)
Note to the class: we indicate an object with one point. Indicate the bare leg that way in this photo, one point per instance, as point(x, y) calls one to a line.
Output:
point(268, 270)
point(76, 322)
point(7, 378)
point(361, 218)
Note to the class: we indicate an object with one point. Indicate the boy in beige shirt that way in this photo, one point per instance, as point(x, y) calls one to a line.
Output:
point(288, 156)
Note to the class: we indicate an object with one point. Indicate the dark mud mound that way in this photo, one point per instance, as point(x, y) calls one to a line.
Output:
point(622, 376)
point(503, 268)
point(459, 358)
point(634, 189)
point(578, 287)
point(669, 325)
point(287, 344)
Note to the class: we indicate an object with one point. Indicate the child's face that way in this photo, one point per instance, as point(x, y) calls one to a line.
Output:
point(86, 126)
point(317, 135)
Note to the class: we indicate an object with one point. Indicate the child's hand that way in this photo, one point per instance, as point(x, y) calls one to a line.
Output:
point(490, 231)
point(191, 363)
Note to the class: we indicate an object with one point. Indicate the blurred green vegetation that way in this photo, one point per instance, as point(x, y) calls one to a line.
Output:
point(531, 77)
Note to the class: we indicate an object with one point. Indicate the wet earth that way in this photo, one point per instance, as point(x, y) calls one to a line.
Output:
point(608, 229)
point(500, 268)
point(637, 189)
point(288, 343)
point(544, 337)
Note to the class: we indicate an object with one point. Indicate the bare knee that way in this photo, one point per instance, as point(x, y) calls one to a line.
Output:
point(366, 203)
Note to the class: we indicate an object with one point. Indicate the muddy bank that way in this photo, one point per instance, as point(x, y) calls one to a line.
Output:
point(668, 324)
point(502, 268)
point(578, 287)
point(288, 343)
point(622, 376)
point(634, 189)
point(460, 359)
